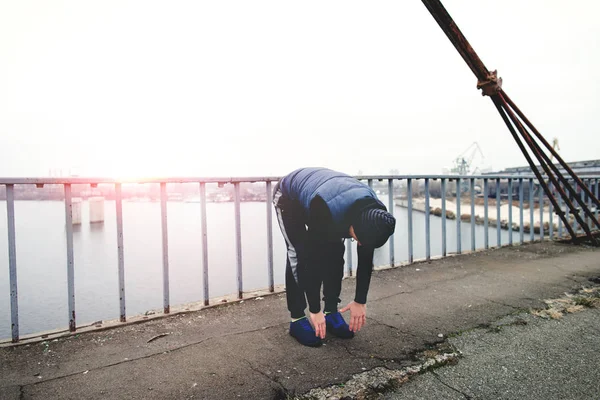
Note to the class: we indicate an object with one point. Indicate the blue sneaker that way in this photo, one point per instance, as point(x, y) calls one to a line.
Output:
point(304, 333)
point(337, 326)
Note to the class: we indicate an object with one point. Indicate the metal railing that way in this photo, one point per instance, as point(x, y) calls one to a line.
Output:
point(404, 189)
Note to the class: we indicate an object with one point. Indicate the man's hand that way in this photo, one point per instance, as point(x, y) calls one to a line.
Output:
point(318, 322)
point(358, 315)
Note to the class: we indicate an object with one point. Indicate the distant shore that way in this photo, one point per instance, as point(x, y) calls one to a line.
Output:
point(435, 208)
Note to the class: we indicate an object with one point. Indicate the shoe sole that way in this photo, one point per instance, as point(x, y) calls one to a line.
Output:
point(330, 330)
point(316, 344)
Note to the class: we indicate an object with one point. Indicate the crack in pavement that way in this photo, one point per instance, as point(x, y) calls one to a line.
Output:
point(414, 288)
point(473, 330)
point(405, 283)
point(571, 275)
point(395, 328)
point(500, 303)
point(386, 281)
point(385, 360)
point(270, 378)
point(466, 396)
point(390, 296)
point(530, 299)
point(572, 278)
point(185, 346)
point(345, 346)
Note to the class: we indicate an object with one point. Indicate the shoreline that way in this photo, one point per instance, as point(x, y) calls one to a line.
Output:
point(435, 208)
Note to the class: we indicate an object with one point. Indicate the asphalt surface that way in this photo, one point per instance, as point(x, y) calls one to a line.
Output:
point(243, 350)
point(526, 358)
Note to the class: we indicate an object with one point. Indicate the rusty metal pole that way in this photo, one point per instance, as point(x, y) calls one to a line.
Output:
point(551, 149)
point(457, 38)
point(506, 117)
point(533, 145)
point(491, 85)
point(540, 154)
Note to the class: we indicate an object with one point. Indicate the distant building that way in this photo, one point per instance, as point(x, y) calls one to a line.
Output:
point(580, 168)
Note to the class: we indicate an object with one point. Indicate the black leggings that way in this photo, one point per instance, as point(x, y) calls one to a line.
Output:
point(329, 260)
point(319, 260)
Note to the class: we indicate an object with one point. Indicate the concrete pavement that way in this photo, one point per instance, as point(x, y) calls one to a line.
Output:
point(243, 350)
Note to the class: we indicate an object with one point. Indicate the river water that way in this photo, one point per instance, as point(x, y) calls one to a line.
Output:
point(42, 271)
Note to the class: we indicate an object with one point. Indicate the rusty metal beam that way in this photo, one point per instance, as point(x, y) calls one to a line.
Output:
point(460, 42)
point(491, 86)
point(544, 164)
point(547, 164)
point(505, 117)
point(551, 149)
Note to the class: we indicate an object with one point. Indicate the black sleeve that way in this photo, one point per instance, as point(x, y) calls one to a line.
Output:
point(363, 273)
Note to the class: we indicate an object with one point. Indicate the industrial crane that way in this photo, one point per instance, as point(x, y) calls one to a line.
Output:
point(462, 164)
point(555, 147)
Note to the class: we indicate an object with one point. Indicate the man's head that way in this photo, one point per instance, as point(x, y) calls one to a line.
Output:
point(373, 226)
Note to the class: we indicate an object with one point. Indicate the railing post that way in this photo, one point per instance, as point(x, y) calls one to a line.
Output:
point(120, 252)
point(485, 213)
point(472, 190)
point(521, 228)
point(70, 258)
point(349, 257)
point(541, 215)
point(575, 210)
point(409, 199)
point(427, 223)
point(589, 205)
point(238, 239)
point(12, 263)
point(391, 211)
point(510, 218)
point(204, 224)
point(590, 188)
point(582, 196)
point(443, 217)
point(498, 215)
point(598, 197)
point(165, 247)
point(550, 212)
point(531, 211)
point(270, 237)
point(458, 233)
point(561, 206)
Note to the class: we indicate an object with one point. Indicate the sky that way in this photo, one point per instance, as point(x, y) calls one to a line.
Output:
point(259, 88)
